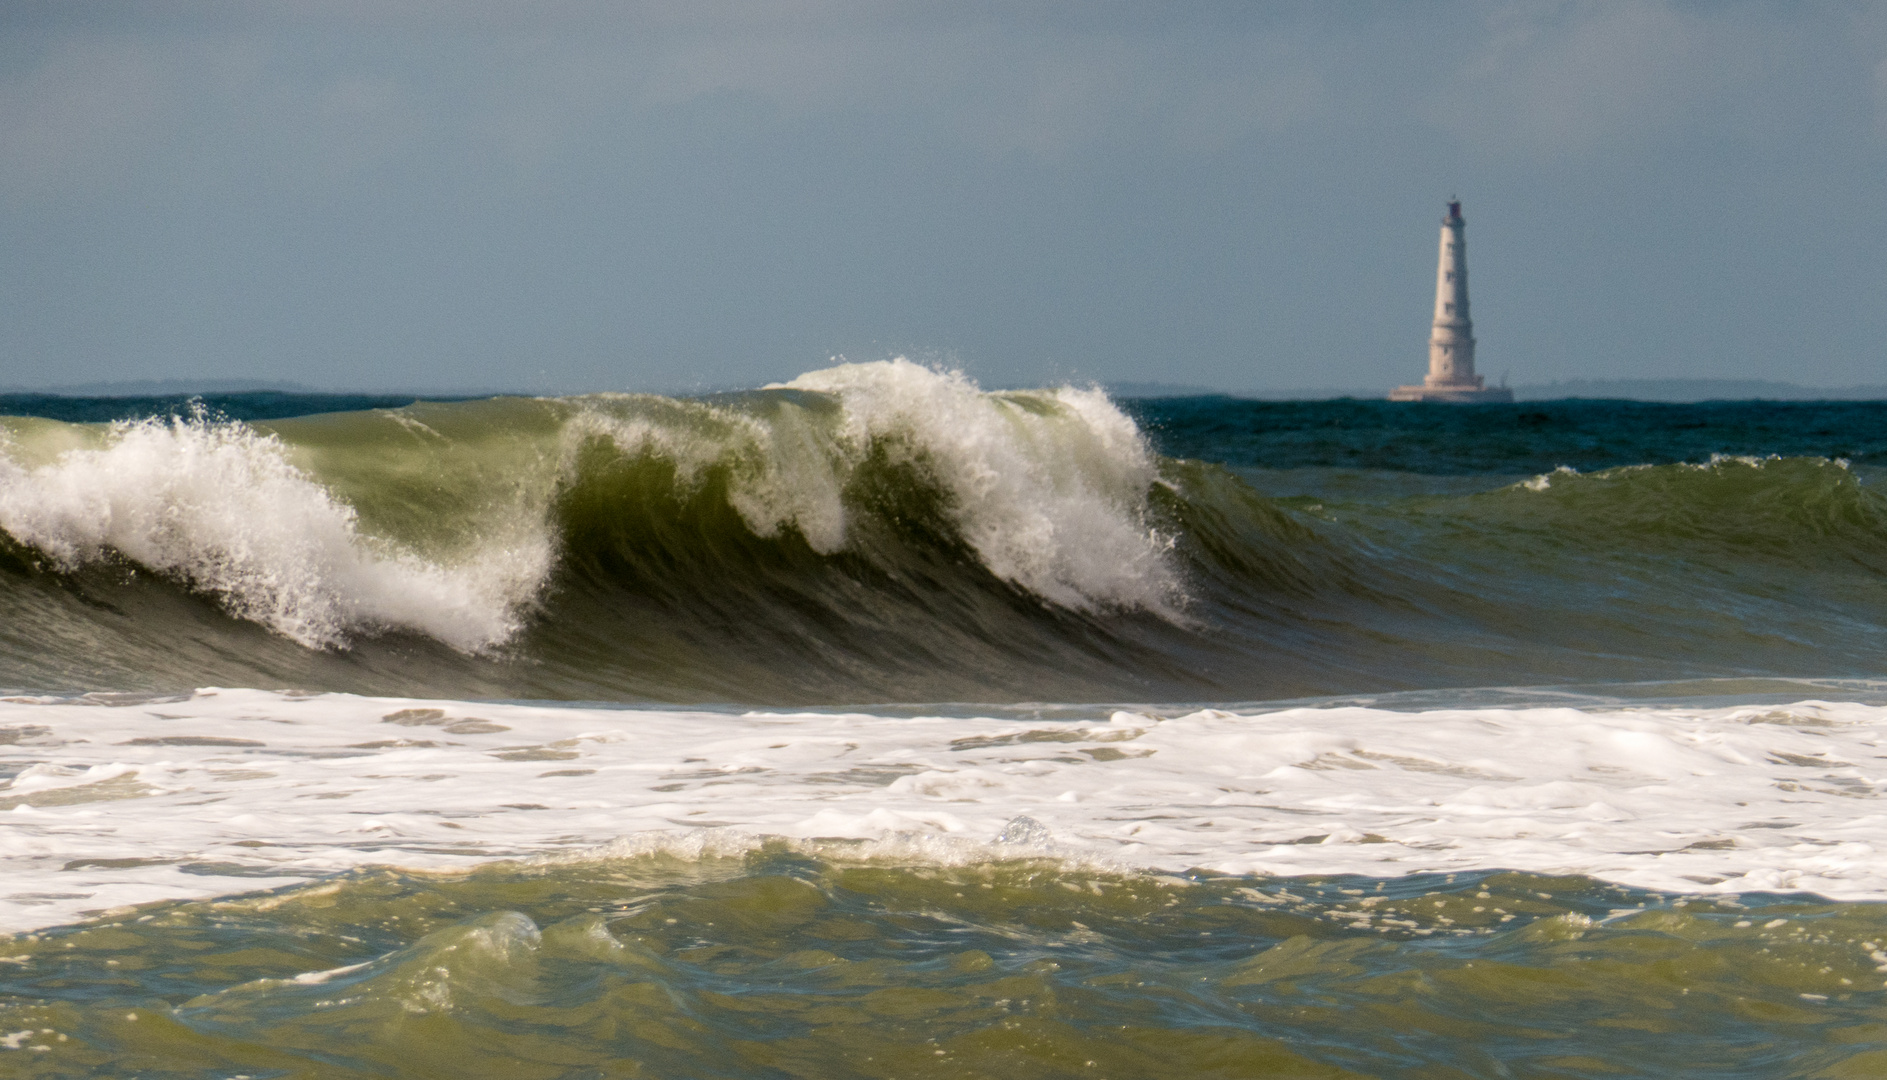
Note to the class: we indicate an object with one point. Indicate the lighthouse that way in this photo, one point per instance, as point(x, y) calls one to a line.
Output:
point(1451, 374)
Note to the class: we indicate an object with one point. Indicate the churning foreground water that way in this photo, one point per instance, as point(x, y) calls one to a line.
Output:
point(786, 962)
point(1584, 784)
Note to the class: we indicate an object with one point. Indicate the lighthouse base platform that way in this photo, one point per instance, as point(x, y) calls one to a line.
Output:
point(1458, 395)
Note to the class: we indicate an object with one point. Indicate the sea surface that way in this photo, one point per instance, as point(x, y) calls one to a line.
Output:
point(875, 724)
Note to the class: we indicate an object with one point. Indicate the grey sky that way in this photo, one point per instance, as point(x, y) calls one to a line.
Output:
point(588, 195)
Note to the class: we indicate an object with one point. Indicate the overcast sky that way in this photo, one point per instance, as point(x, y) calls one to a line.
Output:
point(586, 195)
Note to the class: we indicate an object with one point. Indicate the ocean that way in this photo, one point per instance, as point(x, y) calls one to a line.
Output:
point(876, 724)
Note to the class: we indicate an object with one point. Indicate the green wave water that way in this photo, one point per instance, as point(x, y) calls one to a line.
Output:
point(797, 961)
point(887, 533)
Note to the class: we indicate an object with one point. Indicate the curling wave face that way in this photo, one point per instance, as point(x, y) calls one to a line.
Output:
point(889, 532)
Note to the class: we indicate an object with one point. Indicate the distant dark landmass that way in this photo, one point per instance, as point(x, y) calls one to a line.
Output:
point(1672, 390)
point(1160, 390)
point(240, 405)
point(152, 388)
point(187, 388)
point(252, 399)
point(1153, 390)
point(1695, 390)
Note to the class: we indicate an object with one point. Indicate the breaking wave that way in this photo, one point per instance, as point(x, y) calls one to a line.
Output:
point(883, 532)
point(219, 508)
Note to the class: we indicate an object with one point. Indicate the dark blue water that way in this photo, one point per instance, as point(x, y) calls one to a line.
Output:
point(1523, 438)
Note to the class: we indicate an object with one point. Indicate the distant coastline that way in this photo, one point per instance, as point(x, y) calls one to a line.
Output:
point(184, 388)
point(1697, 390)
point(1672, 390)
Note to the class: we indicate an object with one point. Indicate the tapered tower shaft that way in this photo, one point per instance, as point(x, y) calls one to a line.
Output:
point(1451, 374)
point(1451, 342)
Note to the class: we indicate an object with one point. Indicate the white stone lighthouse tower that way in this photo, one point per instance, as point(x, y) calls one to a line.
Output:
point(1451, 374)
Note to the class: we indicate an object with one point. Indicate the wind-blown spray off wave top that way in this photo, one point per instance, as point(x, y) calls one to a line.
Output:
point(889, 532)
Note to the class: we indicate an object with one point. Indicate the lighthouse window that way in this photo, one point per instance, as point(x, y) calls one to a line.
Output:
point(1449, 308)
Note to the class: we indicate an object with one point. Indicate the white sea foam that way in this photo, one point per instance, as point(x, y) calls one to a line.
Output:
point(1049, 487)
point(163, 798)
point(1719, 464)
point(220, 507)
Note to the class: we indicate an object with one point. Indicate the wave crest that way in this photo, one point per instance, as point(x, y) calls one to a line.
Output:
point(1048, 488)
point(220, 507)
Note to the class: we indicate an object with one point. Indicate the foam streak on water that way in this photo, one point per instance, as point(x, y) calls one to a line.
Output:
point(113, 802)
